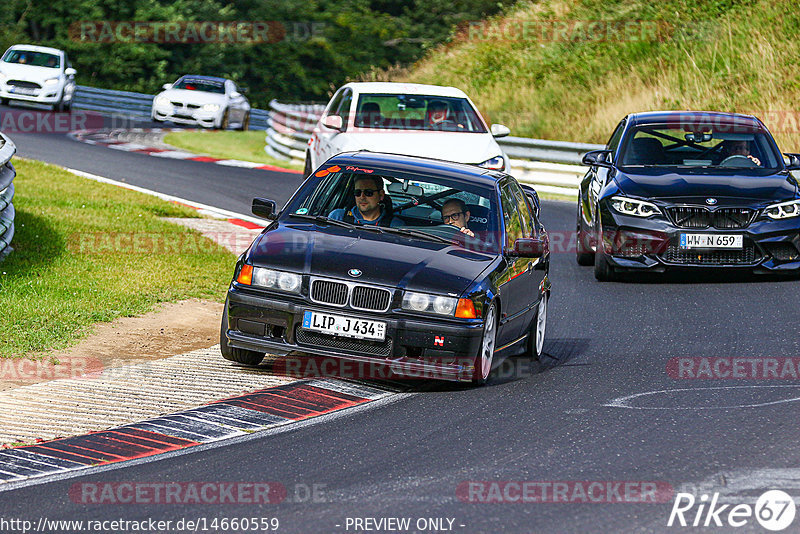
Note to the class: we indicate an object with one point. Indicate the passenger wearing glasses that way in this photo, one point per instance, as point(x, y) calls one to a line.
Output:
point(455, 213)
point(371, 210)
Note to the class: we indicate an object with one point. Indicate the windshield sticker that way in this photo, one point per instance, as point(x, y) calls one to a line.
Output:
point(302, 211)
point(326, 172)
point(359, 169)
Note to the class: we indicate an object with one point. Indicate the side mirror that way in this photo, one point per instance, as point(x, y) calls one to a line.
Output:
point(528, 247)
point(597, 158)
point(69, 71)
point(792, 162)
point(167, 86)
point(265, 208)
point(499, 130)
point(236, 94)
point(334, 122)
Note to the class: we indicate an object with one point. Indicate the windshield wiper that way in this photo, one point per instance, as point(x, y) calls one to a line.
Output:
point(419, 234)
point(323, 219)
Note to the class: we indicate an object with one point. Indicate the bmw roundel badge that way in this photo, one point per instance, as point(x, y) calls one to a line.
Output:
point(711, 201)
point(355, 273)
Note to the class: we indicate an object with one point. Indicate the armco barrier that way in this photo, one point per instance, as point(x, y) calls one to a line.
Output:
point(7, 174)
point(136, 105)
point(552, 166)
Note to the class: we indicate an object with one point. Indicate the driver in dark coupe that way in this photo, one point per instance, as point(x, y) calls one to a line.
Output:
point(455, 213)
point(369, 209)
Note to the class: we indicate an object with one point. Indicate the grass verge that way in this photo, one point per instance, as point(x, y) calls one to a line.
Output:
point(570, 70)
point(86, 252)
point(246, 146)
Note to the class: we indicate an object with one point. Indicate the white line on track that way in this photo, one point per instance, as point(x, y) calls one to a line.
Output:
point(210, 210)
point(623, 402)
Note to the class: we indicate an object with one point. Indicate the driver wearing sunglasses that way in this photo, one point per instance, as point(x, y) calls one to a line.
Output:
point(369, 209)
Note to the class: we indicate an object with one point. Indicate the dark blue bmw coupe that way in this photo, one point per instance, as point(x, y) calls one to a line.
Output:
point(435, 269)
point(689, 190)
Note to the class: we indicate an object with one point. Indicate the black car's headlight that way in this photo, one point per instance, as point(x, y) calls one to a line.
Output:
point(497, 163)
point(632, 206)
point(423, 302)
point(270, 279)
point(783, 210)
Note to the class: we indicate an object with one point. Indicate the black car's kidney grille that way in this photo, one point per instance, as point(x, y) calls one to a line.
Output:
point(327, 292)
point(701, 217)
point(746, 256)
point(23, 83)
point(370, 298)
point(373, 348)
point(360, 297)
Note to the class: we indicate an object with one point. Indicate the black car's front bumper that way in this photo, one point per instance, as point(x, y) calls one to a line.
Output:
point(635, 243)
point(414, 347)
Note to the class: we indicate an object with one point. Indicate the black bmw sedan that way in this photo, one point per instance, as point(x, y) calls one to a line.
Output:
point(687, 190)
point(436, 269)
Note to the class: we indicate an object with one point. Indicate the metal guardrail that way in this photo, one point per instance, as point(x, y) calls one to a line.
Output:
point(128, 104)
point(7, 174)
point(552, 166)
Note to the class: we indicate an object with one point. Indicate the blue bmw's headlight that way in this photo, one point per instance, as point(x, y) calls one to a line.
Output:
point(783, 210)
point(632, 206)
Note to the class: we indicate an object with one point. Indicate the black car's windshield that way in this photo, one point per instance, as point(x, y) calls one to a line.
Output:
point(197, 84)
point(30, 57)
point(734, 147)
point(423, 207)
point(417, 112)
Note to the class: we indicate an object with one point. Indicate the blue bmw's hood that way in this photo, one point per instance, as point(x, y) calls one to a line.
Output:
point(383, 259)
point(763, 185)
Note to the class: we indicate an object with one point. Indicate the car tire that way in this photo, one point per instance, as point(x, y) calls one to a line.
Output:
point(484, 359)
point(225, 122)
point(245, 122)
point(538, 328)
point(603, 271)
point(583, 254)
point(247, 357)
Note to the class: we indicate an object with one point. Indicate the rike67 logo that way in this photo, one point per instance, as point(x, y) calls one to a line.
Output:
point(774, 510)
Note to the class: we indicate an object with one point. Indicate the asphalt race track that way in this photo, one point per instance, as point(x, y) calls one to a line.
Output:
point(576, 416)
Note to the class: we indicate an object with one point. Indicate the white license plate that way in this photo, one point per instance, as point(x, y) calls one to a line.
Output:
point(711, 241)
point(344, 326)
point(23, 90)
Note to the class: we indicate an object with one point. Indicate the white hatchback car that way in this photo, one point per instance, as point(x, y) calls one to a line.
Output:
point(411, 119)
point(37, 74)
point(202, 100)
